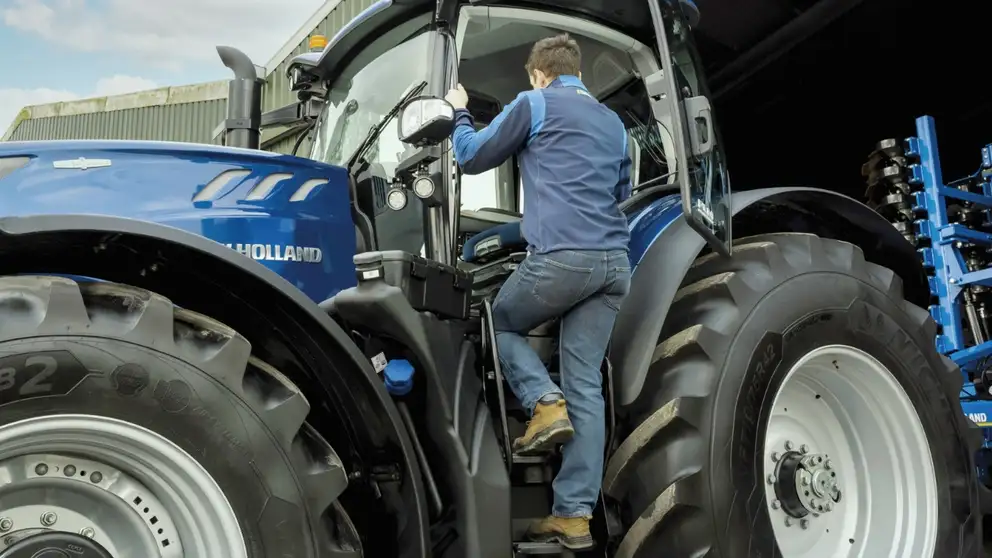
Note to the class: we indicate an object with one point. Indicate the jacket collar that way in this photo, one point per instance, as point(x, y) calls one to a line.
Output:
point(568, 81)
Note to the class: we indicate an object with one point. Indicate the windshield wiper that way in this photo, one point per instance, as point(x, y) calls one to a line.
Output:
point(374, 131)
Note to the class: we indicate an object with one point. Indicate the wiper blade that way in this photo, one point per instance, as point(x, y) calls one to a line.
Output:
point(375, 130)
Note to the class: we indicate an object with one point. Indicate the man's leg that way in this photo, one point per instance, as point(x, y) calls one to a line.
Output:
point(535, 293)
point(585, 334)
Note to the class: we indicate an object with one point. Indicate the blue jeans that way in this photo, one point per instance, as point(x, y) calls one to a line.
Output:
point(584, 288)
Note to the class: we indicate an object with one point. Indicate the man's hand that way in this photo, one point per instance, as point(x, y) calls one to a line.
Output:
point(457, 97)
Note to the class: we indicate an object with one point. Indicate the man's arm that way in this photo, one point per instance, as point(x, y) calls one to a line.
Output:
point(477, 152)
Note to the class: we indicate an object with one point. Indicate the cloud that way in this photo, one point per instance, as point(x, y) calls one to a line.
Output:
point(169, 34)
point(119, 85)
point(13, 100)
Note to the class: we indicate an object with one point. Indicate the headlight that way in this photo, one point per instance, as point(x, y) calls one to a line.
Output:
point(426, 120)
point(396, 199)
point(423, 187)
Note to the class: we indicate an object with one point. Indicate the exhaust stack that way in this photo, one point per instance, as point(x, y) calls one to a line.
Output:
point(244, 100)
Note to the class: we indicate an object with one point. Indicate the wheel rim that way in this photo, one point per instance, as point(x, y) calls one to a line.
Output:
point(126, 487)
point(847, 463)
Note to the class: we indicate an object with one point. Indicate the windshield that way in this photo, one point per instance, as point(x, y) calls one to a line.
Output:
point(366, 90)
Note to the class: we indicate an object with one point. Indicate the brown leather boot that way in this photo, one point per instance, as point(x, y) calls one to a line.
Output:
point(548, 426)
point(570, 532)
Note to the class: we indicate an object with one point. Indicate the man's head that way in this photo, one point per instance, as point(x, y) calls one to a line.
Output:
point(553, 57)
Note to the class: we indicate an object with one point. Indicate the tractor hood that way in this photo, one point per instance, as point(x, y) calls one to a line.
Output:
point(292, 214)
point(135, 178)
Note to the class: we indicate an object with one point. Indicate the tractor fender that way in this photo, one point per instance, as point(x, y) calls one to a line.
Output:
point(664, 246)
point(350, 406)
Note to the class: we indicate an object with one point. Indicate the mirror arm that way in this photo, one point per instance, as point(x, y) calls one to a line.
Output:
point(291, 114)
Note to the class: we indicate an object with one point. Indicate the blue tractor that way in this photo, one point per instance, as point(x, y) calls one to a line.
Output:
point(220, 352)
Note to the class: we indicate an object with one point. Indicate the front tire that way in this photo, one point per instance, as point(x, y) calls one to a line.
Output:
point(153, 431)
point(772, 357)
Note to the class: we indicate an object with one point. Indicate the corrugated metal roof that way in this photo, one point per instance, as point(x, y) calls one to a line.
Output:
point(185, 113)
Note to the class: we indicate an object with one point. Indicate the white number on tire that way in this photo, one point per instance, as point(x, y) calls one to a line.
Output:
point(35, 383)
point(7, 378)
point(37, 379)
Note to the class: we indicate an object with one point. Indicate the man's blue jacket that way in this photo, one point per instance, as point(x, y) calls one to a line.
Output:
point(572, 152)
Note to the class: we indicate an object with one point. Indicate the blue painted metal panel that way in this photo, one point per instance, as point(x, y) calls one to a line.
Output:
point(650, 223)
point(309, 240)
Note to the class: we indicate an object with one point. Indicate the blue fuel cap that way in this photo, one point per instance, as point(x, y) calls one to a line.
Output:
point(399, 377)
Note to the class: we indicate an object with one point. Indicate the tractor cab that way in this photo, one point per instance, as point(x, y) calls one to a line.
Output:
point(384, 117)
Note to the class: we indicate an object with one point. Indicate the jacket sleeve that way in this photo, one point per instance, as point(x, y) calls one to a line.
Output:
point(479, 151)
point(623, 188)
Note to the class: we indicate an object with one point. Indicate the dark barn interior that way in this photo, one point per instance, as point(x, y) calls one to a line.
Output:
point(804, 88)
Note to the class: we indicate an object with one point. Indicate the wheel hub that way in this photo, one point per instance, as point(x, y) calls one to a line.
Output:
point(41, 543)
point(806, 484)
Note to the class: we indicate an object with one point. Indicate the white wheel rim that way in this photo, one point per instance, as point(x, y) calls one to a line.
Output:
point(842, 406)
point(151, 498)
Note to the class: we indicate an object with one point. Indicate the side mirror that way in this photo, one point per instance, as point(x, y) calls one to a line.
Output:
point(426, 121)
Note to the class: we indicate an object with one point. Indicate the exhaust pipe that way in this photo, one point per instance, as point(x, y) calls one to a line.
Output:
point(244, 100)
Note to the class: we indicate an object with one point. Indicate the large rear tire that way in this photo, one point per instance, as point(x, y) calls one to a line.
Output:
point(153, 431)
point(790, 354)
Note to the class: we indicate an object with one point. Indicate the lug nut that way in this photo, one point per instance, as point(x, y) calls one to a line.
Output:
point(87, 532)
point(829, 464)
point(804, 449)
point(6, 524)
point(804, 524)
point(776, 456)
point(788, 522)
point(771, 479)
point(49, 518)
point(776, 504)
point(805, 481)
point(830, 507)
point(788, 445)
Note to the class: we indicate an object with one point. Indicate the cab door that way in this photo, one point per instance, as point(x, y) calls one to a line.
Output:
point(680, 97)
point(681, 102)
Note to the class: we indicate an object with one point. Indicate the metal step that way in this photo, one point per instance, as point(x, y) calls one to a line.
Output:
point(539, 549)
point(531, 470)
point(531, 459)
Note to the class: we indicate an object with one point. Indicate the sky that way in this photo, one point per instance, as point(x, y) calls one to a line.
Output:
point(61, 50)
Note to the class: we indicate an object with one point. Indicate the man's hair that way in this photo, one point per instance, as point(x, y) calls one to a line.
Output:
point(555, 56)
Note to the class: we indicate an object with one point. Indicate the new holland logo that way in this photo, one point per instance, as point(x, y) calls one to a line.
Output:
point(279, 252)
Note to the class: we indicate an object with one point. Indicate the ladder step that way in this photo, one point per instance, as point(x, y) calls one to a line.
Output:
point(531, 459)
point(539, 549)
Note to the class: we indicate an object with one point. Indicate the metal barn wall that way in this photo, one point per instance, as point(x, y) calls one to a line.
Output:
point(186, 113)
point(188, 122)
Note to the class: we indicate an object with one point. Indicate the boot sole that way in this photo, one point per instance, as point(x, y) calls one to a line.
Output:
point(558, 433)
point(584, 542)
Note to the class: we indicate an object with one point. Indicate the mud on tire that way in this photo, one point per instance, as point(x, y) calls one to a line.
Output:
point(114, 351)
point(689, 473)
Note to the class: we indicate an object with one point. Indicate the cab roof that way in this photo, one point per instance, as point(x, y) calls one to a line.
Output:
point(728, 32)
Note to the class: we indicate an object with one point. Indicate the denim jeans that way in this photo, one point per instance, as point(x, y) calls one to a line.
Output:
point(585, 289)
